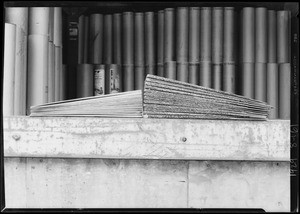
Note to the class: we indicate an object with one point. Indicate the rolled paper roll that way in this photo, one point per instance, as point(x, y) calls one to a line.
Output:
point(217, 35)
point(194, 36)
point(217, 76)
point(112, 79)
point(128, 39)
point(272, 36)
point(57, 31)
point(150, 42)
point(248, 69)
point(229, 77)
point(86, 40)
point(260, 86)
point(170, 70)
point(63, 82)
point(20, 76)
point(160, 69)
point(139, 75)
point(261, 33)
point(117, 38)
point(17, 16)
point(9, 68)
point(182, 70)
point(139, 42)
point(272, 89)
point(81, 23)
point(205, 74)
point(205, 34)
point(229, 46)
point(285, 91)
point(84, 83)
point(150, 69)
point(283, 36)
point(169, 34)
point(96, 39)
point(108, 39)
point(37, 91)
point(39, 21)
point(51, 72)
point(128, 77)
point(99, 79)
point(57, 71)
point(51, 24)
point(160, 37)
point(248, 35)
point(182, 36)
point(194, 69)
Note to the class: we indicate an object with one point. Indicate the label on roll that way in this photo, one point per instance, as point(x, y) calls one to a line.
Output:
point(99, 82)
point(114, 81)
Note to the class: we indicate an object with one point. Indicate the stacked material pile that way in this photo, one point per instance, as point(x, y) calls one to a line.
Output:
point(162, 98)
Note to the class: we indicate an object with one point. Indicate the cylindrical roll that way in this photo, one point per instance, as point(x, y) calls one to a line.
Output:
point(217, 76)
point(62, 81)
point(96, 39)
point(9, 68)
point(117, 35)
point(194, 69)
point(85, 77)
point(20, 73)
point(205, 34)
point(51, 24)
point(217, 36)
point(170, 70)
point(272, 89)
point(160, 69)
point(283, 36)
point(150, 69)
point(272, 31)
point(57, 71)
point(248, 35)
point(99, 80)
point(139, 74)
point(160, 38)
point(194, 37)
point(112, 79)
point(229, 46)
point(229, 77)
point(260, 81)
point(182, 70)
point(51, 72)
point(169, 34)
point(108, 37)
point(139, 58)
point(37, 70)
point(149, 41)
point(86, 40)
point(17, 16)
point(81, 24)
point(57, 31)
point(247, 82)
point(39, 21)
point(182, 36)
point(284, 91)
point(205, 74)
point(128, 39)
point(261, 34)
point(128, 77)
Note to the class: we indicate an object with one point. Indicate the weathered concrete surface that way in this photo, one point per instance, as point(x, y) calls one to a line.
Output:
point(98, 183)
point(88, 137)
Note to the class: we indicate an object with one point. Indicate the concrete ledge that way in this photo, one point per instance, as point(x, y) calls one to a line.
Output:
point(127, 138)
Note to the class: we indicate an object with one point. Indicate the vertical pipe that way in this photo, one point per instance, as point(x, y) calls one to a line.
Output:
point(170, 70)
point(117, 35)
point(248, 35)
point(205, 74)
point(51, 24)
point(57, 31)
point(272, 89)
point(96, 39)
point(62, 82)
point(248, 79)
point(282, 36)
point(260, 81)
point(51, 74)
point(17, 16)
point(108, 36)
point(205, 34)
point(284, 91)
point(112, 80)
point(272, 36)
point(229, 47)
point(229, 77)
point(182, 69)
point(9, 68)
point(86, 39)
point(84, 83)
point(169, 34)
point(99, 79)
point(38, 21)
point(81, 23)
point(194, 69)
point(160, 43)
point(217, 76)
point(150, 43)
point(261, 33)
point(57, 71)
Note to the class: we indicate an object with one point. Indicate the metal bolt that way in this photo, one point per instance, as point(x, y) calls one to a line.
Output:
point(16, 137)
point(183, 139)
